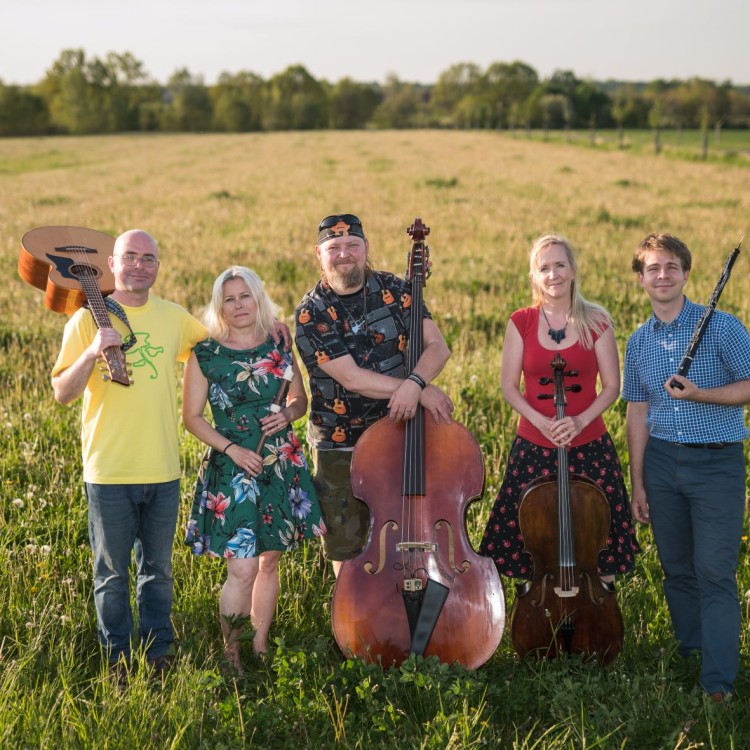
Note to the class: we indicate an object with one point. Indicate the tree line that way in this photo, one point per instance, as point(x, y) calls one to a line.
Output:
point(81, 95)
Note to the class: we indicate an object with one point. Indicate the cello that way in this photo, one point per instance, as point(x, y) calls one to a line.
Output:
point(565, 608)
point(418, 586)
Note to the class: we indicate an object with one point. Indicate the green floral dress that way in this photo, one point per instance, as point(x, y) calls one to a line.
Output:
point(234, 515)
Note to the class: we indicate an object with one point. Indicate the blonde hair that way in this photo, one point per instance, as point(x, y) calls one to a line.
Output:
point(267, 310)
point(588, 318)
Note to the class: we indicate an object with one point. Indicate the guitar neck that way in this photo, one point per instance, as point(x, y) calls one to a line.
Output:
point(114, 357)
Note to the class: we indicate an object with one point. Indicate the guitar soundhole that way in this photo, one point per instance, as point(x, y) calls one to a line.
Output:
point(80, 270)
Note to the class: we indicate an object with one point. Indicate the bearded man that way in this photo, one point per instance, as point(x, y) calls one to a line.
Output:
point(352, 330)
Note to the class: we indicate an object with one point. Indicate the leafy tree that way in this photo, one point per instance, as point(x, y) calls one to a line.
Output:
point(739, 108)
point(188, 103)
point(630, 107)
point(555, 111)
point(506, 88)
point(592, 104)
point(95, 96)
point(456, 97)
point(127, 89)
point(352, 104)
point(296, 101)
point(403, 105)
point(22, 112)
point(72, 102)
point(238, 102)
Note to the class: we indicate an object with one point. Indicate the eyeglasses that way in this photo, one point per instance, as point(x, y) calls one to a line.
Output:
point(145, 261)
point(331, 221)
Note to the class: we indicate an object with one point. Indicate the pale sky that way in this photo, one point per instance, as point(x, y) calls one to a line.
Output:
point(369, 39)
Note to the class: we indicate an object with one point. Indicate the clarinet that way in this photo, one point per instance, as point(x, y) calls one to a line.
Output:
point(702, 325)
point(278, 401)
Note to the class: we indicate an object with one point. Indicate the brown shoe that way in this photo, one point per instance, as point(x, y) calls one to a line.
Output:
point(721, 697)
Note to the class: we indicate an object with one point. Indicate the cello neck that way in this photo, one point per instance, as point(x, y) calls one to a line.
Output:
point(565, 539)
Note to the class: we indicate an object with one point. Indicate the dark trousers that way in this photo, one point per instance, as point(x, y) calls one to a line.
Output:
point(696, 499)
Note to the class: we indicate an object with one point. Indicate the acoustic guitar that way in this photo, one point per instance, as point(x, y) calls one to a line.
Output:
point(70, 264)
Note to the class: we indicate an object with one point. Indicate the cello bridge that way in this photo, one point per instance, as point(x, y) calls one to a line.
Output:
point(566, 593)
point(406, 546)
point(412, 584)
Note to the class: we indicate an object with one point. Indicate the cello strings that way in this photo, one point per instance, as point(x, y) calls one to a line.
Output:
point(564, 520)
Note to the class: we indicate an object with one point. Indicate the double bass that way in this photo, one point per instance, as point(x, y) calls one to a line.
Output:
point(418, 586)
point(565, 608)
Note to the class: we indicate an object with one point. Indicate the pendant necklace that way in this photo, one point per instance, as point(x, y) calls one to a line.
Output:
point(556, 334)
point(360, 324)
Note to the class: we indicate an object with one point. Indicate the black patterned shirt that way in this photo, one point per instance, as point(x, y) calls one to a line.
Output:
point(371, 325)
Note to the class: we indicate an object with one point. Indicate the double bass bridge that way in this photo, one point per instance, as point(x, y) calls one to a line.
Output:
point(424, 546)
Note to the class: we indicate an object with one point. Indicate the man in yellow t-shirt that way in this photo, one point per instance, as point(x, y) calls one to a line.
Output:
point(131, 466)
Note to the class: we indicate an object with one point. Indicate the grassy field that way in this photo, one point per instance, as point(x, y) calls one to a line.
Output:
point(256, 199)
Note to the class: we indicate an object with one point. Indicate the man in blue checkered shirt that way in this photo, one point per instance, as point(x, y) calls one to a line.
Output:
point(687, 464)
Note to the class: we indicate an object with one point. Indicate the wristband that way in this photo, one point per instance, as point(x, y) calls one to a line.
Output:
point(418, 379)
point(228, 446)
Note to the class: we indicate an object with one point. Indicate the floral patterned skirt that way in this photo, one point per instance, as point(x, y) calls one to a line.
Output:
point(597, 460)
point(234, 515)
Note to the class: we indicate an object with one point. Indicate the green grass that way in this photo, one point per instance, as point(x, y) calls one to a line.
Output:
point(732, 147)
point(256, 199)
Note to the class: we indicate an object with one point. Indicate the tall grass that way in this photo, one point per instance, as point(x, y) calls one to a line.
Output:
point(256, 199)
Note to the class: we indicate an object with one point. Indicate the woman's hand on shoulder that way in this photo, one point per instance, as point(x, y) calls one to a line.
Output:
point(280, 332)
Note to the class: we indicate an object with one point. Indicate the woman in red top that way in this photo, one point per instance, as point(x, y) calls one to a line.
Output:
point(560, 320)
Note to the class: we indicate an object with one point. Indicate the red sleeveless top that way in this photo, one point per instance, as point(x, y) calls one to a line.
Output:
point(536, 364)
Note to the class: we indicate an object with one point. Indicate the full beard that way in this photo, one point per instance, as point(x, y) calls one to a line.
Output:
point(351, 278)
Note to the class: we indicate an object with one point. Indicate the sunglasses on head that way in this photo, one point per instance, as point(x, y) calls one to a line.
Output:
point(331, 221)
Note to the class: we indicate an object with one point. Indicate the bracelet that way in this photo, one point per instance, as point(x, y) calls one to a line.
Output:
point(228, 446)
point(418, 379)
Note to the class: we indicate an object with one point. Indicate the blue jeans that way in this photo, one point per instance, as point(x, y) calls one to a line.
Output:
point(139, 517)
point(696, 498)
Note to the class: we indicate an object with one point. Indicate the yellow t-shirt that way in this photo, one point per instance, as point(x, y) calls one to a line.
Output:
point(129, 434)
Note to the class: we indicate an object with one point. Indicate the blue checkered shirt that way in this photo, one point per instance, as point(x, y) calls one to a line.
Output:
point(654, 352)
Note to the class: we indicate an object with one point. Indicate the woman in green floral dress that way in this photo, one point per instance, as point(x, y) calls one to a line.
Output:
point(249, 507)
